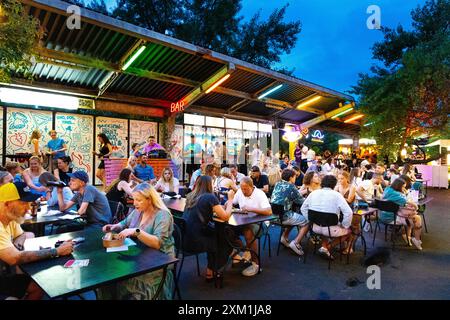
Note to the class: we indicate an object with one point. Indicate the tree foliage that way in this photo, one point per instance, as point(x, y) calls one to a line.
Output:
point(409, 95)
point(19, 34)
point(212, 24)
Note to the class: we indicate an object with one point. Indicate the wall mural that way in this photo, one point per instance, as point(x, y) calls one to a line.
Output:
point(141, 130)
point(117, 132)
point(20, 124)
point(76, 130)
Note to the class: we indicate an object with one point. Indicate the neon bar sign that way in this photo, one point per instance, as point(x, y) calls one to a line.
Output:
point(177, 107)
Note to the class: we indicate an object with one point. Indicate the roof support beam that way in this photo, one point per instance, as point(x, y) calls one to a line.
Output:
point(325, 116)
point(238, 106)
point(81, 62)
point(200, 90)
point(218, 113)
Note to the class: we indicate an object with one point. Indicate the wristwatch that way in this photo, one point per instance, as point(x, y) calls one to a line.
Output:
point(137, 232)
point(54, 253)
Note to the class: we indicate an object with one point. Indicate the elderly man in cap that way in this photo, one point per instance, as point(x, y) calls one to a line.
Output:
point(15, 201)
point(91, 202)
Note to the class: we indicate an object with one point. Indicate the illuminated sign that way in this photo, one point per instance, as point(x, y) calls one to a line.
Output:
point(177, 107)
point(317, 136)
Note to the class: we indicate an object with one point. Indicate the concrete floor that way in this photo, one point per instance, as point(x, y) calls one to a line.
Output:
point(409, 273)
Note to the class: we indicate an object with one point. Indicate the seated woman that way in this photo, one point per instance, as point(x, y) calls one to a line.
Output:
point(167, 182)
point(52, 193)
point(201, 205)
point(285, 193)
point(311, 182)
point(151, 223)
point(396, 192)
point(120, 188)
point(32, 174)
point(132, 163)
point(348, 191)
point(61, 173)
point(224, 183)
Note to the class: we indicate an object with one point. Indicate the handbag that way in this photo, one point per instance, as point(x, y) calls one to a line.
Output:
point(407, 211)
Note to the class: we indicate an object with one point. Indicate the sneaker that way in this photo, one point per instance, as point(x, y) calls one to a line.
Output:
point(296, 247)
point(417, 243)
point(367, 226)
point(285, 242)
point(324, 252)
point(236, 259)
point(247, 256)
point(251, 270)
point(406, 239)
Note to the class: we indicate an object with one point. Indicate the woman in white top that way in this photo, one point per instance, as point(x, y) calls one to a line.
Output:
point(329, 167)
point(256, 154)
point(355, 176)
point(32, 174)
point(225, 180)
point(167, 182)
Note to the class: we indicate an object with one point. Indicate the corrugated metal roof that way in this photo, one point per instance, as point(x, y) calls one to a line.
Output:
point(167, 69)
point(143, 87)
point(217, 100)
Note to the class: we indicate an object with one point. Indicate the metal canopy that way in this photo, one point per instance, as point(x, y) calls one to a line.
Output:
point(81, 61)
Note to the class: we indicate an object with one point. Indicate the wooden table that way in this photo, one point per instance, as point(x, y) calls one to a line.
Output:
point(104, 268)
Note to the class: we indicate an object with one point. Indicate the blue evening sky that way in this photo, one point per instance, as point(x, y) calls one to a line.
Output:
point(335, 43)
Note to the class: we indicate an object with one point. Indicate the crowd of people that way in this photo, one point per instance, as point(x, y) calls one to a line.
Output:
point(301, 185)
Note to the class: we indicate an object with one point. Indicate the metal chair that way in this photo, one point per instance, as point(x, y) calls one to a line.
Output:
point(178, 238)
point(278, 210)
point(388, 206)
point(323, 219)
point(181, 224)
point(118, 211)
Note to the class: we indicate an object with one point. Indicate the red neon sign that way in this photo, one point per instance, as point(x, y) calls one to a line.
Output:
point(177, 107)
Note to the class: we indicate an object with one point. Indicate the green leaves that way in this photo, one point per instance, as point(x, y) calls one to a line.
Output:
point(410, 95)
point(18, 35)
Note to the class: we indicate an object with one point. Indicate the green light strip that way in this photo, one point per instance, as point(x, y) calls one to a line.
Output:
point(133, 57)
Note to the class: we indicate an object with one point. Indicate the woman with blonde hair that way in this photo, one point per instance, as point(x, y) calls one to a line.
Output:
point(150, 223)
point(32, 174)
point(36, 135)
point(224, 183)
point(131, 164)
point(167, 182)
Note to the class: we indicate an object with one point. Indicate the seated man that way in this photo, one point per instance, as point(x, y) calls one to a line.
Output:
point(285, 163)
point(92, 203)
point(235, 174)
point(197, 173)
point(367, 190)
point(298, 176)
point(286, 194)
point(143, 171)
point(327, 200)
point(260, 181)
point(251, 199)
point(152, 145)
point(14, 203)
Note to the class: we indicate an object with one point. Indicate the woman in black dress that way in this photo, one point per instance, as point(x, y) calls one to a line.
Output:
point(120, 188)
point(61, 173)
point(105, 151)
point(201, 204)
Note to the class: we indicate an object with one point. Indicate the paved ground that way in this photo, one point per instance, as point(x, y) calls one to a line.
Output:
point(409, 274)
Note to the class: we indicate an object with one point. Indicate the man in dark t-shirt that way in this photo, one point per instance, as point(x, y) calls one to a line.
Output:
point(260, 181)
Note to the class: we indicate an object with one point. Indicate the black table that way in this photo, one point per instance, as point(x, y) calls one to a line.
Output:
point(38, 223)
point(241, 220)
point(176, 206)
point(104, 268)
